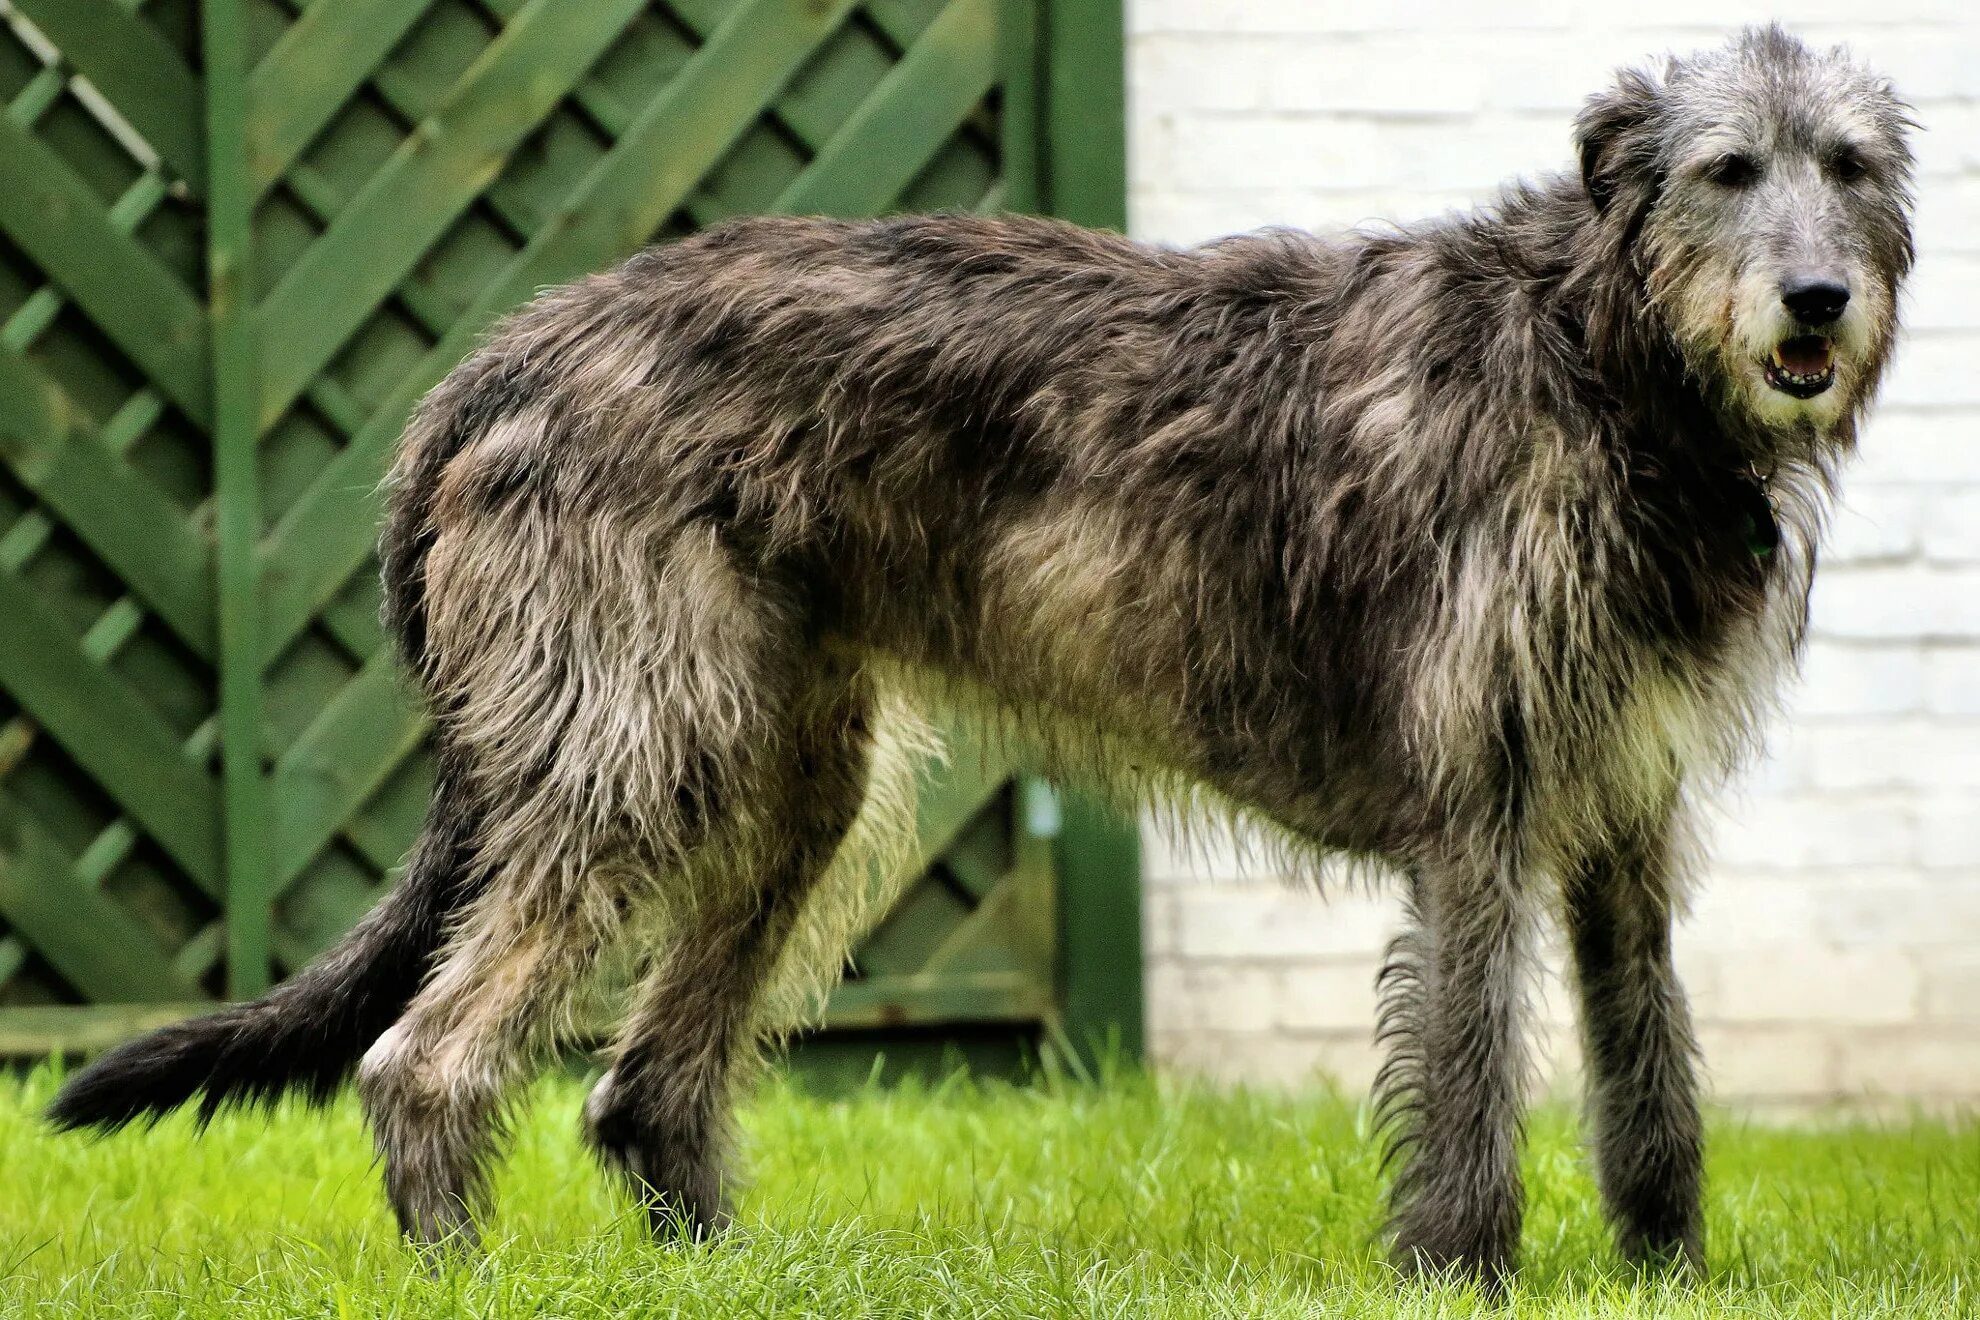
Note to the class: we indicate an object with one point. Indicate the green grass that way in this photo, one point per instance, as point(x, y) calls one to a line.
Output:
point(1130, 1198)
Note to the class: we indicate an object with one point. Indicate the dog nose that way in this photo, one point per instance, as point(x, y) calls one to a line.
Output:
point(1814, 299)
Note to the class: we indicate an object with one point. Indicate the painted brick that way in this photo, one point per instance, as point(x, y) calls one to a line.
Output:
point(1816, 833)
point(1935, 369)
point(1272, 1061)
point(1916, 1064)
point(1952, 988)
point(1949, 832)
point(1912, 445)
point(1807, 983)
point(1333, 996)
point(1214, 151)
point(1948, 217)
point(1735, 912)
point(1175, 71)
point(1768, 1062)
point(1950, 525)
point(1925, 912)
point(1944, 292)
point(1337, 16)
point(1284, 925)
point(1886, 603)
point(1875, 679)
point(1907, 754)
point(1875, 524)
point(1227, 998)
point(1952, 680)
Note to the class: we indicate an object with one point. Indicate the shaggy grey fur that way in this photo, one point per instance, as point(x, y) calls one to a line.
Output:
point(1471, 549)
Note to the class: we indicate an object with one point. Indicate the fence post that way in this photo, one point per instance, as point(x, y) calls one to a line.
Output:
point(1098, 851)
point(1086, 112)
point(1098, 854)
point(237, 499)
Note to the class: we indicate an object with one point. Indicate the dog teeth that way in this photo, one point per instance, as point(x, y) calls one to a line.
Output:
point(1781, 370)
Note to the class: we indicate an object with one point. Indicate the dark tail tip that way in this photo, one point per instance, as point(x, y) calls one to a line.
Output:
point(246, 1055)
point(150, 1077)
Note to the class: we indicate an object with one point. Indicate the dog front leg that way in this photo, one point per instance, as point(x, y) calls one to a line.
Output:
point(1641, 1055)
point(1452, 1089)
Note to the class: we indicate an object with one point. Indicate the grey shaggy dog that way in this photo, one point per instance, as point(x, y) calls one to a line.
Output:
point(1472, 549)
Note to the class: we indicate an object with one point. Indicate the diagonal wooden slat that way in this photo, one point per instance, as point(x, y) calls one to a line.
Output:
point(85, 935)
point(434, 176)
point(915, 109)
point(380, 828)
point(116, 512)
point(313, 69)
point(111, 734)
point(13, 953)
point(949, 796)
point(676, 139)
point(1009, 929)
point(137, 70)
point(338, 762)
point(138, 304)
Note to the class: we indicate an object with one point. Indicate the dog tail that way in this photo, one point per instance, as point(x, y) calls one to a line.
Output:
point(307, 1035)
point(309, 1032)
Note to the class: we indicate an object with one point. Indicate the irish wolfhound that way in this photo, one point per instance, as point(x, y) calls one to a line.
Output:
point(1472, 548)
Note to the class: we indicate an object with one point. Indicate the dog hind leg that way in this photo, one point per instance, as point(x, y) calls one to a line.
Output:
point(616, 692)
point(658, 1118)
point(435, 1084)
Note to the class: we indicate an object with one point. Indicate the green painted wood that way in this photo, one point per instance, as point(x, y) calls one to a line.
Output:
point(62, 226)
point(29, 1032)
point(51, 450)
point(237, 367)
point(1085, 113)
point(1010, 930)
point(363, 734)
point(84, 934)
point(313, 69)
point(429, 181)
point(1020, 54)
point(917, 925)
point(123, 745)
point(1098, 852)
point(903, 21)
point(329, 533)
point(980, 855)
point(1009, 997)
point(913, 111)
point(137, 70)
point(949, 796)
point(812, 108)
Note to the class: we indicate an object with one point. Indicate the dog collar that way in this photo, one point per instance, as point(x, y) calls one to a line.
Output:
point(1759, 528)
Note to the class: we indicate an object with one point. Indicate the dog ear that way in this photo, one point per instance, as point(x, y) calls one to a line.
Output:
point(1614, 134)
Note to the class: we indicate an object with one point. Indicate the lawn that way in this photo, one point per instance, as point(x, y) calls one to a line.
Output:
point(1130, 1197)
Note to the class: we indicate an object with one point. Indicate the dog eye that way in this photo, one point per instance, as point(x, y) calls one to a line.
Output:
point(1732, 171)
point(1847, 166)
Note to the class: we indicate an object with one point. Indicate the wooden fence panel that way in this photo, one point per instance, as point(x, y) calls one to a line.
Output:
point(237, 242)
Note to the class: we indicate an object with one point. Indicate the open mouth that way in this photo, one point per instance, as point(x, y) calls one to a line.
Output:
point(1803, 366)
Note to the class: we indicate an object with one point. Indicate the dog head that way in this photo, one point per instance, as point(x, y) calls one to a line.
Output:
point(1763, 191)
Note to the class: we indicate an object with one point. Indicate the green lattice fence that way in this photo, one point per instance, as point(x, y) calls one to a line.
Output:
point(238, 240)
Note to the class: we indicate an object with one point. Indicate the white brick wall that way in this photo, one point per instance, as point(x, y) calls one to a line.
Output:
point(1835, 947)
